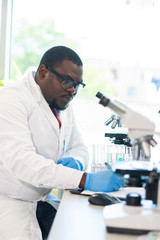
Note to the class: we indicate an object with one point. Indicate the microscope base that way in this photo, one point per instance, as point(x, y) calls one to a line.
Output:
point(136, 220)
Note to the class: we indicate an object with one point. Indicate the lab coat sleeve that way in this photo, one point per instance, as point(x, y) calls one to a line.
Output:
point(19, 155)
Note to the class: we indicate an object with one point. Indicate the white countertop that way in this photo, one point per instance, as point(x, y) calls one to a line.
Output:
point(77, 219)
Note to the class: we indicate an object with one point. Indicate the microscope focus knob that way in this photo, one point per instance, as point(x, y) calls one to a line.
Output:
point(133, 199)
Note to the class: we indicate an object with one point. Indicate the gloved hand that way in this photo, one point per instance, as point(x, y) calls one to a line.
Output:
point(70, 162)
point(103, 181)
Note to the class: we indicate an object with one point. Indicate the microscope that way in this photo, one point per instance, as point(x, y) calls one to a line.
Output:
point(135, 215)
point(119, 141)
point(116, 138)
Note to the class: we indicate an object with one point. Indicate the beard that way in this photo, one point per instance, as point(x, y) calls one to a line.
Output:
point(54, 105)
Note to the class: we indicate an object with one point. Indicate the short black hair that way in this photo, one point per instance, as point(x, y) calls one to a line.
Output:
point(55, 55)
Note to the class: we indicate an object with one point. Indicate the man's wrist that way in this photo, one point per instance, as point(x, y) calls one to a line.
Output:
point(83, 180)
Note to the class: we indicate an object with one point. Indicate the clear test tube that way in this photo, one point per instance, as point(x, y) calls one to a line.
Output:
point(98, 154)
point(93, 160)
point(114, 153)
point(121, 153)
point(98, 157)
point(109, 153)
point(102, 156)
point(117, 152)
point(128, 153)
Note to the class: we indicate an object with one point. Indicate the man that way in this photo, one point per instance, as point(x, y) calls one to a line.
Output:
point(41, 147)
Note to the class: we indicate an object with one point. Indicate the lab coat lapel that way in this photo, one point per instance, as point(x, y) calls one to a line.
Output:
point(59, 132)
point(49, 115)
point(37, 94)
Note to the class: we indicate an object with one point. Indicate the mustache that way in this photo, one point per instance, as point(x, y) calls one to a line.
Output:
point(69, 95)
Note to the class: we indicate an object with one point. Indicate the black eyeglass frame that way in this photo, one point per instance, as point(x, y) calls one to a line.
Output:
point(67, 78)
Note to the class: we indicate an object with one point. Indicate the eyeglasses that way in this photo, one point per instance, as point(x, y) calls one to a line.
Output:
point(67, 82)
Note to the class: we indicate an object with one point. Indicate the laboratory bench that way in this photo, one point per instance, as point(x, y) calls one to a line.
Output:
point(77, 219)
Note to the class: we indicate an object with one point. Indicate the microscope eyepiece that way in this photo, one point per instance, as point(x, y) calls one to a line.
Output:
point(103, 100)
point(99, 95)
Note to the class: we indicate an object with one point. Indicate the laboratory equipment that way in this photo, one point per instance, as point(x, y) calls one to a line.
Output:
point(122, 149)
point(119, 148)
point(99, 155)
point(119, 138)
point(115, 120)
point(128, 217)
point(140, 129)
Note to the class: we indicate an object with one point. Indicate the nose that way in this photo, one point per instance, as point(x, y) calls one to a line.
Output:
point(72, 90)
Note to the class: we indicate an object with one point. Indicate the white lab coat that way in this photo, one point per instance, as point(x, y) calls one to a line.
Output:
point(31, 144)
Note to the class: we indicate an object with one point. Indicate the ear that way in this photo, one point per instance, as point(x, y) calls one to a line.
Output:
point(42, 71)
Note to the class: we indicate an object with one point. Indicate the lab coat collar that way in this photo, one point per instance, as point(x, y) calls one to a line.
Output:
point(33, 86)
point(37, 93)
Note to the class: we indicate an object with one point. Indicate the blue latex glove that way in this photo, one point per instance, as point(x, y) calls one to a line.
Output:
point(70, 162)
point(103, 181)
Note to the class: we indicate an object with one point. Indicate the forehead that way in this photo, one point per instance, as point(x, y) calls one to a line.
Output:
point(67, 67)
